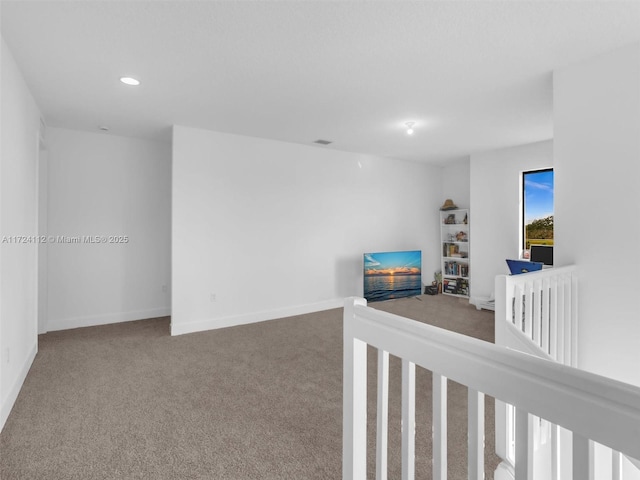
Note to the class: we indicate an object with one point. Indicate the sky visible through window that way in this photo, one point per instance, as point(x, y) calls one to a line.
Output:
point(538, 195)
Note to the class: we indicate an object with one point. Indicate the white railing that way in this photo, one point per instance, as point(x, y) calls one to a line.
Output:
point(590, 406)
point(537, 313)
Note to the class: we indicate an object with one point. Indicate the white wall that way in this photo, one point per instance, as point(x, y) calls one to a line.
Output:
point(456, 183)
point(496, 209)
point(18, 217)
point(275, 229)
point(106, 185)
point(597, 149)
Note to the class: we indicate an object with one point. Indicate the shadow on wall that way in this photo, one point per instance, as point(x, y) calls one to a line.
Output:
point(349, 276)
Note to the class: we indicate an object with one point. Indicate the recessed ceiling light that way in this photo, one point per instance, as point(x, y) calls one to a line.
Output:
point(323, 142)
point(104, 128)
point(130, 81)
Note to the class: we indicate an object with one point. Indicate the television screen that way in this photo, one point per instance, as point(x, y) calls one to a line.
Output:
point(389, 275)
point(542, 254)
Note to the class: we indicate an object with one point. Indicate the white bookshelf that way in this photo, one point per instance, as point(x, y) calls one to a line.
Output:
point(454, 250)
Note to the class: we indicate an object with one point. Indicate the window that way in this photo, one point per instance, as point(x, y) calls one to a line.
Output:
point(537, 208)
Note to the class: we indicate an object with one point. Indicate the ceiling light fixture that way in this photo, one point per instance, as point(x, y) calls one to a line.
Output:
point(130, 81)
point(410, 127)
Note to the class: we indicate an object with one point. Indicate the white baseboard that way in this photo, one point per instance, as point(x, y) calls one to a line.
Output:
point(231, 321)
point(7, 404)
point(92, 321)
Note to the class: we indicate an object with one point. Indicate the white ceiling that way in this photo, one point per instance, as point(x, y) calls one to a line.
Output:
point(473, 75)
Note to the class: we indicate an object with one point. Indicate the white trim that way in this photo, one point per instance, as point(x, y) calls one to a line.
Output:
point(231, 321)
point(634, 462)
point(594, 407)
point(12, 396)
point(504, 471)
point(92, 321)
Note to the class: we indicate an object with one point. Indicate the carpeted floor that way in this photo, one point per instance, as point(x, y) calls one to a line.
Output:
point(261, 401)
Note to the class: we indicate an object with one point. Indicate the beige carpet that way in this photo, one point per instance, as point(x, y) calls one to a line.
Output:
point(262, 401)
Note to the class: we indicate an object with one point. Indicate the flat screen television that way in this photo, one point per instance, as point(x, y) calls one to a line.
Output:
point(541, 253)
point(389, 275)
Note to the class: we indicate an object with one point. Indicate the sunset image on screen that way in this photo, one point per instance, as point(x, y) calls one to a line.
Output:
point(390, 275)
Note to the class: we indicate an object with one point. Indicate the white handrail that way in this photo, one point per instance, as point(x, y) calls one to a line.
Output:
point(543, 317)
point(593, 407)
point(537, 313)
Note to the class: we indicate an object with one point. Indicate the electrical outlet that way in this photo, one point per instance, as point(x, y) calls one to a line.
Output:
point(213, 297)
point(164, 289)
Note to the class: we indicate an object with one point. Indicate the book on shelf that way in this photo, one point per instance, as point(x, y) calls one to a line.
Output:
point(455, 268)
point(457, 286)
point(450, 250)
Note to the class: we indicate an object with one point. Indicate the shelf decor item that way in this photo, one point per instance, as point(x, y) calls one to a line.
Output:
point(454, 240)
point(448, 205)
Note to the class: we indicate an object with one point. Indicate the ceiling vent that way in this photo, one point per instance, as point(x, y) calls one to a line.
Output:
point(323, 142)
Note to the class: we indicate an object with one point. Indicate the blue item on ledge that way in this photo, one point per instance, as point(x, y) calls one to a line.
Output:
point(522, 266)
